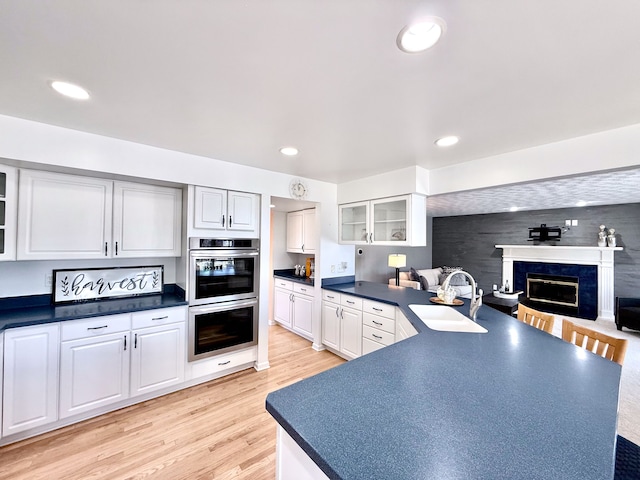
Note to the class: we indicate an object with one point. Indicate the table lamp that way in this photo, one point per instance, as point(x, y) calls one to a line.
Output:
point(397, 260)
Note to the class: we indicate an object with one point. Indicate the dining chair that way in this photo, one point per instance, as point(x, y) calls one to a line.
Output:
point(608, 347)
point(540, 320)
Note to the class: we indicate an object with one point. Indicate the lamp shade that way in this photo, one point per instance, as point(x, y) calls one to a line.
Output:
point(397, 260)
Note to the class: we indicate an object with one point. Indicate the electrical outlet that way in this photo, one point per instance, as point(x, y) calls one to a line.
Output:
point(343, 266)
point(574, 223)
point(333, 269)
point(48, 279)
point(567, 223)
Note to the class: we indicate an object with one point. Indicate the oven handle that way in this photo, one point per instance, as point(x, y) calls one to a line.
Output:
point(211, 254)
point(216, 307)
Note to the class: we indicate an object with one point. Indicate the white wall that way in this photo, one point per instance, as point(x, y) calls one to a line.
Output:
point(613, 149)
point(28, 277)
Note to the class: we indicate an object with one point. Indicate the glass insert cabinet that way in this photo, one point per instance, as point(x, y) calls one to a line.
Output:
point(8, 211)
point(398, 220)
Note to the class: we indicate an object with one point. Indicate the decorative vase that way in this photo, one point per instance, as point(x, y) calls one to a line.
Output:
point(611, 238)
point(602, 236)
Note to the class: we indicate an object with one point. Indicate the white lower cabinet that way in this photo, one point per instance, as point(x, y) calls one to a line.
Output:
point(158, 354)
point(30, 382)
point(94, 363)
point(342, 323)
point(293, 306)
point(352, 326)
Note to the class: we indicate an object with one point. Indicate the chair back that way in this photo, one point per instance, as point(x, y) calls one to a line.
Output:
point(611, 348)
point(540, 320)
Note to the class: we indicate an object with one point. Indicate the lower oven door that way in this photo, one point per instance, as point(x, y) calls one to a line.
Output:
point(222, 327)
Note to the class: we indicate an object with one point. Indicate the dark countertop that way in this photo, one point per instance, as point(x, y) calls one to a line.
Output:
point(512, 403)
point(289, 275)
point(38, 309)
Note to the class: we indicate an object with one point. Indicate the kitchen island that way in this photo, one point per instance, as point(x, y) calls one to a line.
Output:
point(514, 402)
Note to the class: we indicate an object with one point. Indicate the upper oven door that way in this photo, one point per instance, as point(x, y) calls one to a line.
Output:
point(222, 275)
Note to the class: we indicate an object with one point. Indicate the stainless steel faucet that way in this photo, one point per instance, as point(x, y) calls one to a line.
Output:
point(476, 297)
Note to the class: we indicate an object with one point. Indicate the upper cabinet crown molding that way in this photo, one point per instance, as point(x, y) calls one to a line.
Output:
point(69, 216)
point(8, 212)
point(213, 209)
point(398, 220)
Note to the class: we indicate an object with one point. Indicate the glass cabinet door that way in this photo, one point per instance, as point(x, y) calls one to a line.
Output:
point(390, 220)
point(7, 212)
point(354, 223)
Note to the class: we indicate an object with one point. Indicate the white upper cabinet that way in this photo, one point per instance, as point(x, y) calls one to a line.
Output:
point(389, 221)
point(68, 216)
point(63, 216)
point(146, 220)
point(301, 231)
point(224, 210)
point(8, 212)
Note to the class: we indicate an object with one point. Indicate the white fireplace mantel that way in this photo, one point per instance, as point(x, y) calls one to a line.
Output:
point(602, 257)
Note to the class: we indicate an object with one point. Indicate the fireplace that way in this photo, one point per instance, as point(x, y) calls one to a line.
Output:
point(560, 288)
point(553, 289)
point(592, 266)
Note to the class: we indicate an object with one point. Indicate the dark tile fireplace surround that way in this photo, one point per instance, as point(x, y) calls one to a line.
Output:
point(587, 276)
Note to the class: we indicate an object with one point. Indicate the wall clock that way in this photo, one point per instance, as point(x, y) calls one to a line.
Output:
point(298, 189)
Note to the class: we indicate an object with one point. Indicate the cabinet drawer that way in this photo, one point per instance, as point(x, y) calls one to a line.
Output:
point(160, 316)
point(351, 302)
point(222, 362)
point(284, 284)
point(377, 335)
point(377, 308)
point(95, 326)
point(302, 288)
point(330, 296)
point(369, 346)
point(381, 323)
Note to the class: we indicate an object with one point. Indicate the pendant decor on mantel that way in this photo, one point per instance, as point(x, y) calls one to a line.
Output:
point(102, 283)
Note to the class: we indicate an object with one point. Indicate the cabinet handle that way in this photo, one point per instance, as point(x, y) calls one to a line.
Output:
point(230, 221)
point(377, 323)
point(350, 302)
point(330, 297)
point(125, 343)
point(376, 336)
point(303, 289)
point(105, 249)
point(116, 249)
point(337, 311)
point(223, 219)
point(377, 309)
point(160, 318)
point(135, 341)
point(303, 248)
point(371, 238)
point(97, 328)
point(342, 313)
point(225, 363)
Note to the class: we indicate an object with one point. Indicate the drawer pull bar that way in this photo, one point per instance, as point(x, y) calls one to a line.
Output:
point(225, 363)
point(303, 289)
point(330, 297)
point(377, 323)
point(377, 309)
point(376, 336)
point(97, 328)
point(350, 302)
point(161, 318)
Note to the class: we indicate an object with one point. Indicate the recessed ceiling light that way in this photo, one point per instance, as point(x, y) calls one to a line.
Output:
point(289, 151)
point(70, 90)
point(420, 36)
point(447, 141)
point(513, 209)
point(581, 203)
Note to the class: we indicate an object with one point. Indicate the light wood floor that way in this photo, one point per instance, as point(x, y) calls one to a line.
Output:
point(216, 430)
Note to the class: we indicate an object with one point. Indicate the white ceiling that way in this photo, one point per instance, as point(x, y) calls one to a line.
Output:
point(236, 80)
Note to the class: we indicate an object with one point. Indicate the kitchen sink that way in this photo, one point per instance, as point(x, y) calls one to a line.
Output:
point(446, 319)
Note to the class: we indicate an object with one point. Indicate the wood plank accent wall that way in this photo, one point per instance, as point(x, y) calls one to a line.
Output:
point(468, 241)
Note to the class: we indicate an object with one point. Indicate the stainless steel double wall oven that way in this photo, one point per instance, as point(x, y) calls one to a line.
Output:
point(223, 295)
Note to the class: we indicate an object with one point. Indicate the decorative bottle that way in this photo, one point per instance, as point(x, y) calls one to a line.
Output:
point(611, 238)
point(602, 236)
